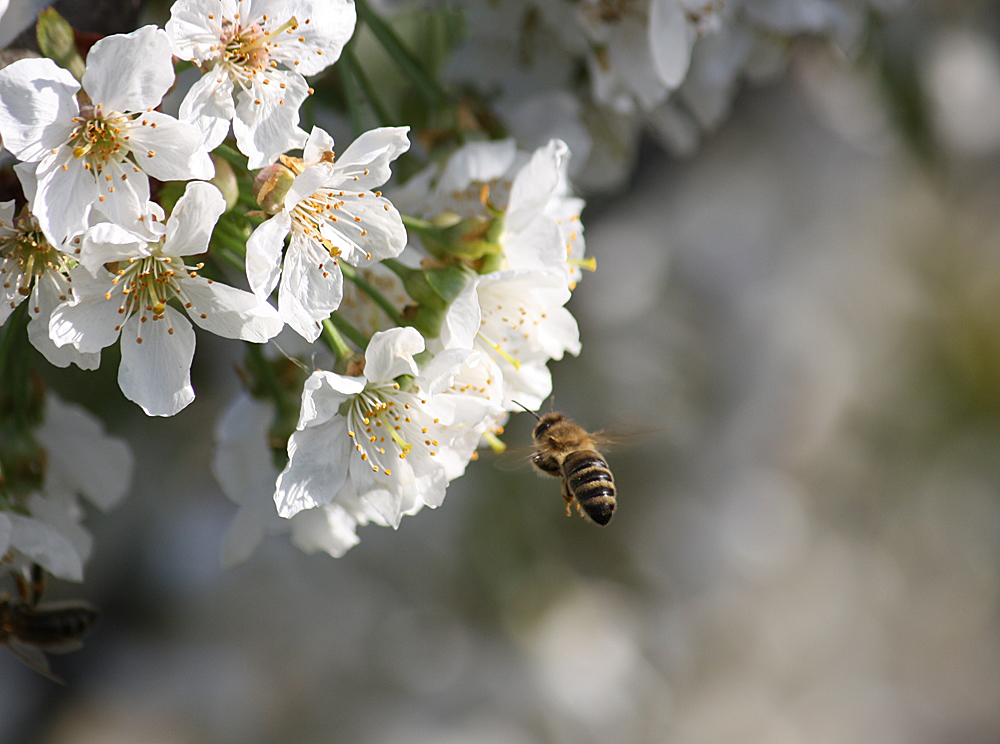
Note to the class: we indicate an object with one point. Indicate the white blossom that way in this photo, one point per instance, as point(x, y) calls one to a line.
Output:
point(31, 269)
point(367, 443)
point(96, 155)
point(333, 214)
point(157, 341)
point(244, 466)
point(257, 51)
point(517, 318)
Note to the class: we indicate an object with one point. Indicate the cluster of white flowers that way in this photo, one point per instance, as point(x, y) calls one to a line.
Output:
point(411, 381)
point(418, 319)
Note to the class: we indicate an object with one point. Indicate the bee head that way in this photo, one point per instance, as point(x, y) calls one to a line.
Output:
point(545, 422)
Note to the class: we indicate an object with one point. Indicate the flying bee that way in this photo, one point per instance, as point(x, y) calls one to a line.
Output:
point(29, 630)
point(564, 449)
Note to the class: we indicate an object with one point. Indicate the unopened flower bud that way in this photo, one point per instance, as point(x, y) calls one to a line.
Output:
point(57, 42)
point(271, 185)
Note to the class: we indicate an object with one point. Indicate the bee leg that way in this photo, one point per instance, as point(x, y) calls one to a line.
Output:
point(569, 500)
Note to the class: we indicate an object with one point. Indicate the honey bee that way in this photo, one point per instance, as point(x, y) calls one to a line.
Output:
point(564, 449)
point(29, 630)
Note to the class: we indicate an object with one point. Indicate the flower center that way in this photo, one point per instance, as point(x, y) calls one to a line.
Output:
point(26, 256)
point(381, 425)
point(147, 284)
point(99, 139)
point(316, 215)
point(246, 51)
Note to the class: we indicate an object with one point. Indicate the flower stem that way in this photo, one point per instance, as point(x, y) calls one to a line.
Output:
point(416, 223)
point(15, 383)
point(407, 63)
point(377, 297)
point(332, 328)
point(354, 70)
point(353, 97)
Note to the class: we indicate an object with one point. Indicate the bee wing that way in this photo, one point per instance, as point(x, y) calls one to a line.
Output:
point(34, 658)
point(514, 459)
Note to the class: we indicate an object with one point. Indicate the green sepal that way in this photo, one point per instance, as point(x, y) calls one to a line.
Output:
point(426, 319)
point(446, 281)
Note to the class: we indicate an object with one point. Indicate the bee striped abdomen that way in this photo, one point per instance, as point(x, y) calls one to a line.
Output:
point(51, 628)
point(589, 481)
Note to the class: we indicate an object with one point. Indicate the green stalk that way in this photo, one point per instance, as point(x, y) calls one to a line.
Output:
point(416, 223)
point(377, 297)
point(353, 97)
point(15, 381)
point(332, 328)
point(353, 69)
point(408, 64)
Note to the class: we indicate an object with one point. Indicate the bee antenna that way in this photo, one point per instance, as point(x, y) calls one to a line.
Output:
point(527, 409)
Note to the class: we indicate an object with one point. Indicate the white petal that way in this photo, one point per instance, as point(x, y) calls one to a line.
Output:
point(308, 293)
point(319, 142)
point(129, 72)
point(191, 28)
point(64, 197)
point(322, 394)
point(368, 157)
point(89, 322)
point(462, 320)
point(230, 312)
point(156, 373)
point(242, 538)
point(306, 183)
point(316, 469)
point(480, 161)
point(194, 216)
point(209, 107)
point(669, 41)
point(331, 26)
point(83, 459)
point(48, 293)
point(390, 354)
point(263, 258)
point(375, 234)
point(37, 106)
point(107, 242)
point(539, 245)
point(328, 528)
point(123, 195)
point(267, 118)
point(43, 544)
point(535, 184)
point(62, 512)
point(168, 149)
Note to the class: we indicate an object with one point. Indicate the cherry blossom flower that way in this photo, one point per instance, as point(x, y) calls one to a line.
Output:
point(258, 50)
point(244, 466)
point(134, 302)
point(542, 226)
point(369, 442)
point(517, 318)
point(96, 154)
point(332, 215)
point(31, 269)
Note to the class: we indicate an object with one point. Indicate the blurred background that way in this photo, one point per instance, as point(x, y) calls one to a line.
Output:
point(795, 334)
